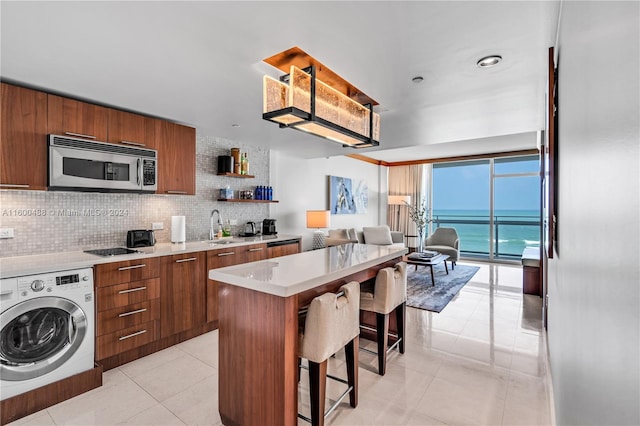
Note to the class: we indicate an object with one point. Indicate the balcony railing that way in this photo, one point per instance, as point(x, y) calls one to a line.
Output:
point(512, 233)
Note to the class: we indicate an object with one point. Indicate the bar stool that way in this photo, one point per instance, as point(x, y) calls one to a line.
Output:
point(388, 294)
point(331, 323)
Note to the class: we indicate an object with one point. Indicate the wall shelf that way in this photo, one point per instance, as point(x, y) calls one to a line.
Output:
point(235, 175)
point(238, 200)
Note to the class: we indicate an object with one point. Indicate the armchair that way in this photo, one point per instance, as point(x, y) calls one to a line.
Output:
point(445, 241)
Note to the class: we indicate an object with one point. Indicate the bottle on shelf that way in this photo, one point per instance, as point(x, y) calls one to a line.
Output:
point(244, 164)
point(259, 193)
point(235, 153)
point(270, 193)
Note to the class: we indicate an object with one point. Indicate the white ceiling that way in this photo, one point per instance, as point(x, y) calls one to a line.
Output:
point(199, 63)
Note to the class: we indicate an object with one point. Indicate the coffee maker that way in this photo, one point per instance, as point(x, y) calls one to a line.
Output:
point(269, 227)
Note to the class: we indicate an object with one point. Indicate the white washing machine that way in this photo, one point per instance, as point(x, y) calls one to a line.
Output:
point(47, 323)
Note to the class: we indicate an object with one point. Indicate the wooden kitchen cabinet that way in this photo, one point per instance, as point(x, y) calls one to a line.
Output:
point(283, 248)
point(130, 129)
point(23, 143)
point(76, 118)
point(127, 305)
point(129, 270)
point(228, 257)
point(176, 145)
point(182, 292)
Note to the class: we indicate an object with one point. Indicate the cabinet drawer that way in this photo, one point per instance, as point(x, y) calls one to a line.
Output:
point(254, 252)
point(127, 316)
point(120, 295)
point(127, 271)
point(129, 338)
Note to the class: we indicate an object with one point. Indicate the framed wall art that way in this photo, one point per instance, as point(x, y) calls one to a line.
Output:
point(348, 196)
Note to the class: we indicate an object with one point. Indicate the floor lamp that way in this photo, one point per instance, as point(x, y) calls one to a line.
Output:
point(399, 200)
point(318, 219)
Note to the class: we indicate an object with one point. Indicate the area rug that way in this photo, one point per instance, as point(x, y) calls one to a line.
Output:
point(421, 294)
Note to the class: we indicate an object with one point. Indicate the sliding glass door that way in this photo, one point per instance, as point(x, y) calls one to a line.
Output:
point(516, 204)
point(461, 199)
point(493, 204)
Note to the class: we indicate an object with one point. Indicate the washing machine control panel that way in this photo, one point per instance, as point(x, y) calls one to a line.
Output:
point(55, 283)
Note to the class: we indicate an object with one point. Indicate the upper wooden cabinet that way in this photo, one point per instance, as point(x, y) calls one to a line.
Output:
point(29, 115)
point(23, 143)
point(131, 129)
point(176, 145)
point(77, 119)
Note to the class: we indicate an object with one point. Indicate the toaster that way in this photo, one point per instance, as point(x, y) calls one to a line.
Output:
point(140, 238)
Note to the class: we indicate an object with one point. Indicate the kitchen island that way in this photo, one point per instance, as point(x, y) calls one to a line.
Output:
point(258, 325)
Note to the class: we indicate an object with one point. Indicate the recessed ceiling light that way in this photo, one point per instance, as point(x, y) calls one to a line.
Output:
point(417, 79)
point(235, 125)
point(489, 61)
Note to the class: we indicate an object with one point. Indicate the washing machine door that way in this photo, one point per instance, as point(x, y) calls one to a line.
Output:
point(38, 336)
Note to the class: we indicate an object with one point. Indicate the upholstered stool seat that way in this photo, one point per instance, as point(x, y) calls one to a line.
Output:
point(330, 324)
point(387, 294)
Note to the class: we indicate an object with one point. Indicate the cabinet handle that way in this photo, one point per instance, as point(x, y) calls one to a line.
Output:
point(229, 253)
point(256, 249)
point(14, 185)
point(176, 192)
point(79, 135)
point(133, 143)
point(186, 260)
point(125, 268)
point(131, 290)
point(132, 312)
point(137, 333)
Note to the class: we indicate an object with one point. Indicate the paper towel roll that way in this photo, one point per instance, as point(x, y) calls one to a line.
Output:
point(178, 231)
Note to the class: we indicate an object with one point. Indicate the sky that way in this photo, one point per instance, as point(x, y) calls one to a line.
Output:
point(466, 187)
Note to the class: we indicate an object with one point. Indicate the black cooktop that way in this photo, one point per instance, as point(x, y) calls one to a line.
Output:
point(111, 251)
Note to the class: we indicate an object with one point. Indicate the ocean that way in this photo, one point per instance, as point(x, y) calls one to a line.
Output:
point(516, 229)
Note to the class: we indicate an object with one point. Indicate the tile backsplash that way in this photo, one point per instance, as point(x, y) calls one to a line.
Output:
point(48, 221)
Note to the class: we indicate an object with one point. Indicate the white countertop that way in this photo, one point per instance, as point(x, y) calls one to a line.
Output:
point(288, 275)
point(62, 261)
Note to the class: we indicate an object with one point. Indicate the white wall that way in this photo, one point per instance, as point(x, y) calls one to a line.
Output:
point(302, 185)
point(594, 280)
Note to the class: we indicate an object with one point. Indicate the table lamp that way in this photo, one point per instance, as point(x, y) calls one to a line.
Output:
point(318, 219)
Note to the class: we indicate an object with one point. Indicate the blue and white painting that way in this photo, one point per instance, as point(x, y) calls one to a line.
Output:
point(348, 196)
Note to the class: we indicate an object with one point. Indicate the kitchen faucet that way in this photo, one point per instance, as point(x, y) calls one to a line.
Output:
point(212, 232)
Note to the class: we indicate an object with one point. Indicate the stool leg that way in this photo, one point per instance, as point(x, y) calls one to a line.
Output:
point(401, 321)
point(382, 330)
point(317, 390)
point(351, 353)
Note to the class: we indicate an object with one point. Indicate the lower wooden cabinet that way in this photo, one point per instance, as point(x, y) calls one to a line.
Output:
point(127, 306)
point(283, 248)
point(228, 257)
point(182, 292)
point(127, 338)
point(146, 305)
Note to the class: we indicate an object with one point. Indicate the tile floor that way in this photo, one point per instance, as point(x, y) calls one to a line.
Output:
point(481, 361)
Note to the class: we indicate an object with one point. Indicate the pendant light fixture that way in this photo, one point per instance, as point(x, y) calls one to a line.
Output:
point(313, 99)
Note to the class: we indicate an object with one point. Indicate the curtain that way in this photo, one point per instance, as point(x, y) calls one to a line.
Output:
point(406, 180)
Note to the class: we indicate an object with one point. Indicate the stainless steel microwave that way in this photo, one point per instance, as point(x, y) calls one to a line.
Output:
point(81, 165)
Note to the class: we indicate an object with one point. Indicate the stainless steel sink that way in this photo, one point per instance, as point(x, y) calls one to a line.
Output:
point(223, 242)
